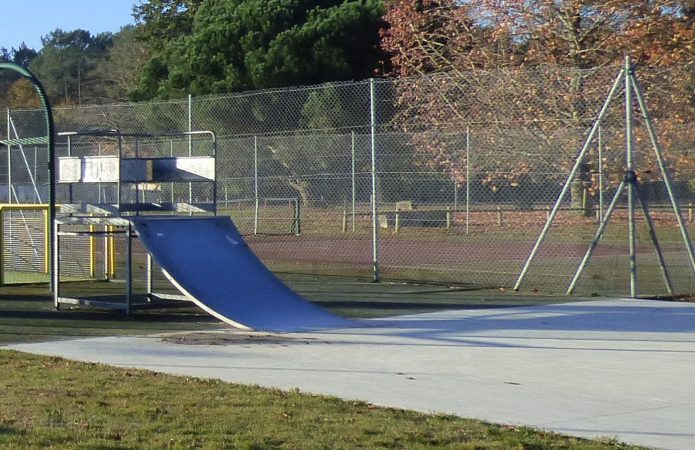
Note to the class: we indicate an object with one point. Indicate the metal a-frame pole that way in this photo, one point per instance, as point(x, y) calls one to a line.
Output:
point(655, 241)
point(573, 173)
point(631, 179)
point(597, 237)
point(664, 172)
point(632, 184)
point(599, 234)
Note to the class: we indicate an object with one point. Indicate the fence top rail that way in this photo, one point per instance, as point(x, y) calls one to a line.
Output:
point(39, 140)
point(116, 132)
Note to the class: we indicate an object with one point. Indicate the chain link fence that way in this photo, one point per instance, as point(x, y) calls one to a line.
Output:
point(464, 169)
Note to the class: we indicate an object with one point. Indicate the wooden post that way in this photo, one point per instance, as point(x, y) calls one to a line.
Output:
point(344, 221)
point(398, 223)
point(448, 217)
point(690, 212)
point(585, 201)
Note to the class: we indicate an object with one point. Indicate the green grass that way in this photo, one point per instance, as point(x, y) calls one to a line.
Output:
point(27, 315)
point(52, 402)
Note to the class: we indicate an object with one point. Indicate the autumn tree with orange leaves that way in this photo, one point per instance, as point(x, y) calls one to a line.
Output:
point(532, 66)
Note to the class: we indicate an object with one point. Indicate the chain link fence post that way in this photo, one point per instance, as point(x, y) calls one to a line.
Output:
point(468, 180)
point(352, 175)
point(255, 185)
point(375, 199)
point(9, 160)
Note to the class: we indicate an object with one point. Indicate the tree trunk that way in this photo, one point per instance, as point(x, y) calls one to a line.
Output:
point(303, 191)
point(579, 189)
point(580, 200)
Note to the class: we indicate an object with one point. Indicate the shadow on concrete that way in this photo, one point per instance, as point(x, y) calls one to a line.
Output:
point(573, 322)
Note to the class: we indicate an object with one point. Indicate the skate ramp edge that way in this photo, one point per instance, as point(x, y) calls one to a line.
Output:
point(207, 259)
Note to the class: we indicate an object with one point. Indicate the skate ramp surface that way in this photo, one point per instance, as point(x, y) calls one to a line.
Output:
point(207, 259)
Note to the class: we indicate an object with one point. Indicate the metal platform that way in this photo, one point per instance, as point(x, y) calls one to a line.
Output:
point(135, 164)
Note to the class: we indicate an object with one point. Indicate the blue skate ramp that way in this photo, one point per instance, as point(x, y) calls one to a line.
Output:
point(208, 260)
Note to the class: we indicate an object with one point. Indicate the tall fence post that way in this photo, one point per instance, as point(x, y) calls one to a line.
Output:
point(375, 212)
point(468, 180)
point(171, 185)
point(352, 152)
point(255, 185)
point(190, 145)
point(629, 172)
point(9, 160)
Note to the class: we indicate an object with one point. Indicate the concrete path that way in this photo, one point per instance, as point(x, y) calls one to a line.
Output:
point(616, 368)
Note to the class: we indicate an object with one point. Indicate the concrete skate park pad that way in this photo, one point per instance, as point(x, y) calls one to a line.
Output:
point(615, 368)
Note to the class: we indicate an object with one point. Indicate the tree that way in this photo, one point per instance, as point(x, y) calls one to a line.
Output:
point(432, 36)
point(65, 62)
point(327, 114)
point(23, 55)
point(118, 71)
point(22, 94)
point(17, 92)
point(545, 81)
point(252, 44)
point(161, 21)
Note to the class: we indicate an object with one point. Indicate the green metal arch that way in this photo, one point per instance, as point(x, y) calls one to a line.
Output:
point(50, 135)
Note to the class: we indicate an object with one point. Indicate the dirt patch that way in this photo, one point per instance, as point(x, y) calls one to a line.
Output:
point(237, 338)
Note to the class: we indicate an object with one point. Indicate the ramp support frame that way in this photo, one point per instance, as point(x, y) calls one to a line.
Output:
point(108, 228)
point(136, 168)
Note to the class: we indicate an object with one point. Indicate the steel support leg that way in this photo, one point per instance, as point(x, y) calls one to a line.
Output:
point(655, 240)
point(597, 237)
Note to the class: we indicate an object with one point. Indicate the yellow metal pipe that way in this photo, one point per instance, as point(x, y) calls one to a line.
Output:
point(92, 253)
point(112, 254)
point(2, 248)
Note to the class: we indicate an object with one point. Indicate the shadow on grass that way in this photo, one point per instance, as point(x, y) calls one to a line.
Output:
point(6, 430)
point(18, 309)
point(25, 298)
point(149, 316)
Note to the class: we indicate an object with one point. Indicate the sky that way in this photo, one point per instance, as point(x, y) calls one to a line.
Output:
point(28, 20)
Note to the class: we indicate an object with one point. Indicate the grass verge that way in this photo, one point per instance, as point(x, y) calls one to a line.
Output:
point(27, 315)
point(53, 402)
